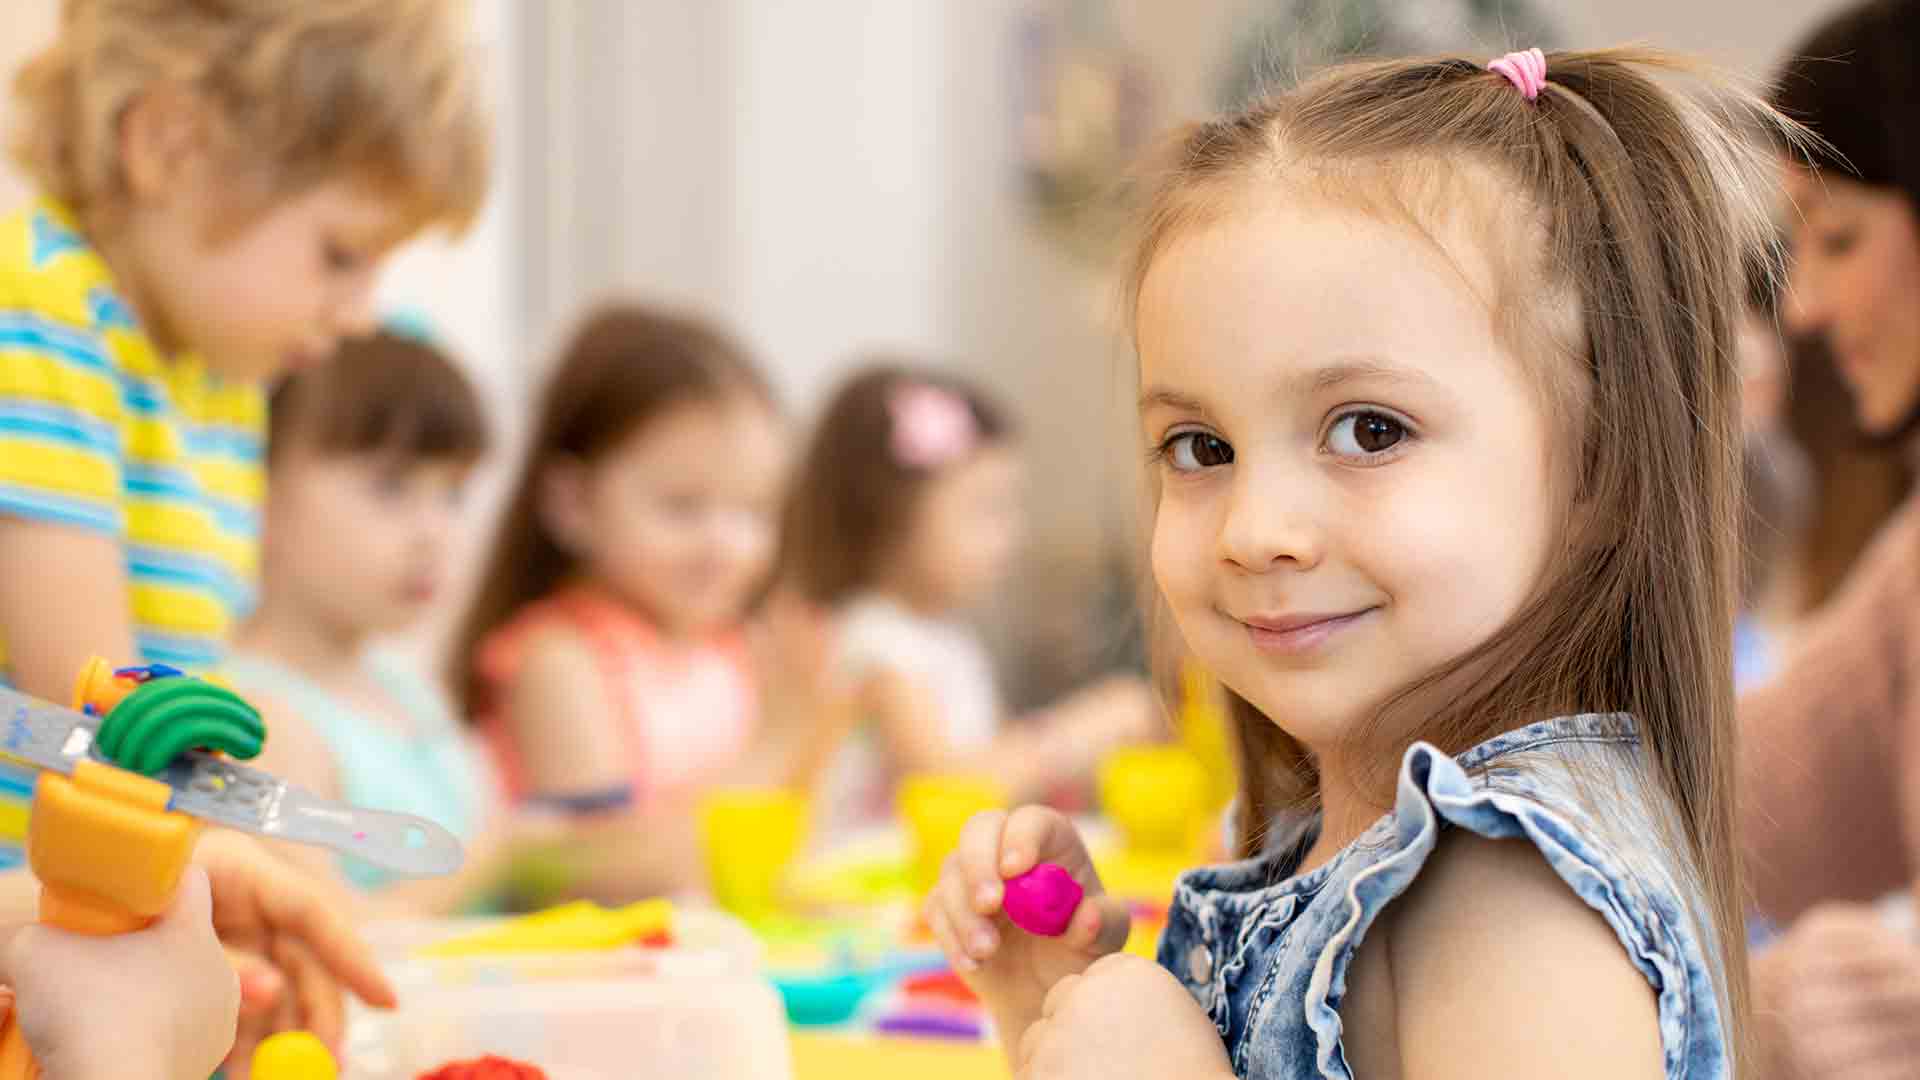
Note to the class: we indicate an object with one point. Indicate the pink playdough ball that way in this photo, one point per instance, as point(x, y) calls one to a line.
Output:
point(1042, 900)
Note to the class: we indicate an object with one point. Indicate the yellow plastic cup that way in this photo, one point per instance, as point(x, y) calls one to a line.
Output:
point(750, 837)
point(293, 1055)
point(1156, 795)
point(936, 807)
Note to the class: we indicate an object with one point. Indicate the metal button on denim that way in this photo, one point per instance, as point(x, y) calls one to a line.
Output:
point(1199, 965)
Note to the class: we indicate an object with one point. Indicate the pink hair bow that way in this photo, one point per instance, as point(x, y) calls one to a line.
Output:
point(932, 426)
point(1526, 69)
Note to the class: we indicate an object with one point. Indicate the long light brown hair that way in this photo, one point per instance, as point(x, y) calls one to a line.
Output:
point(626, 367)
point(1636, 208)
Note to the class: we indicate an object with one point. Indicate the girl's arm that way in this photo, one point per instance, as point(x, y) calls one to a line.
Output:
point(797, 740)
point(1063, 741)
point(908, 717)
point(1826, 746)
point(806, 710)
point(562, 725)
point(568, 736)
point(1497, 968)
point(1079, 730)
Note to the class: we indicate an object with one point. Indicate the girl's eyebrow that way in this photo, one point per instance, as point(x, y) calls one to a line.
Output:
point(1315, 381)
point(1357, 369)
point(1166, 397)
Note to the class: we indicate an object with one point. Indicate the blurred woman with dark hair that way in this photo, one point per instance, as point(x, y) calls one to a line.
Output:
point(1830, 784)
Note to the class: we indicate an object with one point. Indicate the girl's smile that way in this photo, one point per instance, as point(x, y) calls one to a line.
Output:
point(1358, 481)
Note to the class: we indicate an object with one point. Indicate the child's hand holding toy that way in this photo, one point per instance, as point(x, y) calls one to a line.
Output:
point(1011, 969)
point(156, 1004)
point(1124, 1017)
point(129, 778)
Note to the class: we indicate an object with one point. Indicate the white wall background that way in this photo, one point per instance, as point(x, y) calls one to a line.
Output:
point(824, 175)
point(833, 175)
point(837, 174)
point(25, 25)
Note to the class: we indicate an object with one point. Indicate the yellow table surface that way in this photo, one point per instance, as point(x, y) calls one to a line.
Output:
point(829, 1056)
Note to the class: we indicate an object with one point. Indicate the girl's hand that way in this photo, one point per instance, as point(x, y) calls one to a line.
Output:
point(265, 906)
point(159, 1002)
point(1838, 996)
point(1072, 736)
point(1009, 968)
point(807, 708)
point(794, 643)
point(1125, 1017)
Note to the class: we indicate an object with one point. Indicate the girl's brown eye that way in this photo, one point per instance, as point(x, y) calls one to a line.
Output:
point(1191, 451)
point(1365, 433)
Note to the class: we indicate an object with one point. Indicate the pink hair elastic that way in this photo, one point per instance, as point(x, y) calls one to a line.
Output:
point(932, 426)
point(1526, 70)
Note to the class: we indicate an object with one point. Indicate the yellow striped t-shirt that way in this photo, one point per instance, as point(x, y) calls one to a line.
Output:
point(102, 433)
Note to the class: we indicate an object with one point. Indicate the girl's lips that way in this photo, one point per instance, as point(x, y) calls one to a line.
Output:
point(1294, 634)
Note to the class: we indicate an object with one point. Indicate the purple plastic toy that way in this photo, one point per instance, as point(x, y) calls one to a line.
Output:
point(1042, 900)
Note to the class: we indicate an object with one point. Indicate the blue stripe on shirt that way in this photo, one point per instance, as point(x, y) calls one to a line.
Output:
point(186, 653)
point(65, 427)
point(27, 331)
point(34, 505)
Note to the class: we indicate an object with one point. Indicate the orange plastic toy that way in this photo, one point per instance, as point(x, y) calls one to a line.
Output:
point(100, 808)
point(109, 842)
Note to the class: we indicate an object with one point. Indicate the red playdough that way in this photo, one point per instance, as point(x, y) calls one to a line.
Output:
point(487, 1068)
point(1042, 900)
point(939, 986)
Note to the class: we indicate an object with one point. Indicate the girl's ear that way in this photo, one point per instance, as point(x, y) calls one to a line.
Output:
point(163, 139)
point(565, 504)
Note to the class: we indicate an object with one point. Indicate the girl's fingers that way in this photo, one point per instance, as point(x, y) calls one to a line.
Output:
point(975, 933)
point(1100, 926)
point(1036, 834)
point(261, 984)
point(976, 862)
point(949, 945)
point(318, 1003)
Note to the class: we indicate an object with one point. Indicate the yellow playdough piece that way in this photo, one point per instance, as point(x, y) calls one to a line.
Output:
point(294, 1055)
point(577, 927)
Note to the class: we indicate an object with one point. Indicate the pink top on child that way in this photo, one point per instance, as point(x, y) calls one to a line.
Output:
point(688, 708)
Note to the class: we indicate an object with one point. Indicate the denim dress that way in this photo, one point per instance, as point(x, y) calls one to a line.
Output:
point(1266, 952)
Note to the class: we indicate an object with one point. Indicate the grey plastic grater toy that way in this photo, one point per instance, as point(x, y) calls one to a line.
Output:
point(220, 791)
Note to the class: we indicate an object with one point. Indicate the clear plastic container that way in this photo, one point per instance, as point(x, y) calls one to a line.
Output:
point(725, 1028)
point(699, 1008)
